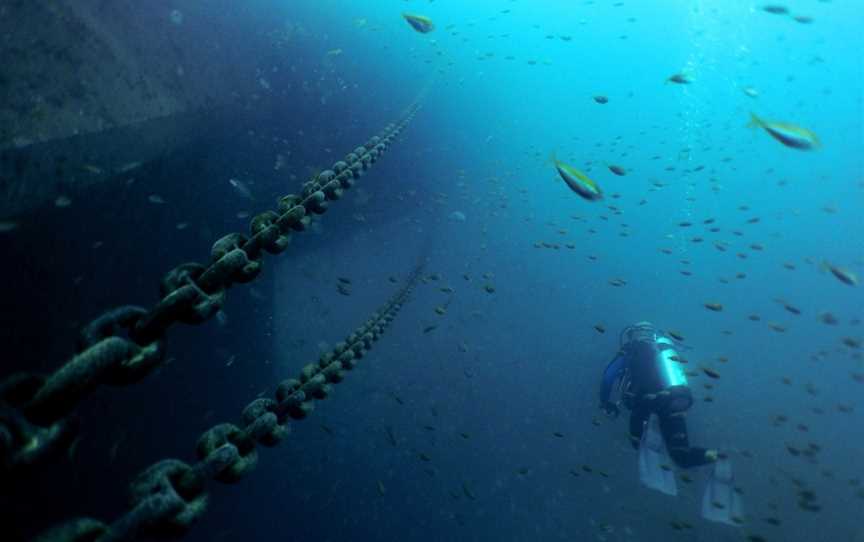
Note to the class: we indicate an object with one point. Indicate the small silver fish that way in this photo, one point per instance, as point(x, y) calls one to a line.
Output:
point(129, 167)
point(221, 318)
point(241, 188)
point(8, 225)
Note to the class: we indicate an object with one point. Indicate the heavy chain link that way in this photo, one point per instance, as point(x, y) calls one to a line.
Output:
point(33, 409)
point(169, 496)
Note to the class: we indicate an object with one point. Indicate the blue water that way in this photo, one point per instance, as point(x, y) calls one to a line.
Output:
point(487, 427)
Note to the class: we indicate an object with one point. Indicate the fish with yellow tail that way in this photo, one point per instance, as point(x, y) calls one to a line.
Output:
point(420, 23)
point(577, 181)
point(790, 135)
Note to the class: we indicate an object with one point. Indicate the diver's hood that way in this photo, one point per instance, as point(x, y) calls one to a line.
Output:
point(640, 331)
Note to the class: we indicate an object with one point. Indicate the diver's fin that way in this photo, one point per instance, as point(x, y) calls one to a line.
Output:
point(655, 467)
point(720, 502)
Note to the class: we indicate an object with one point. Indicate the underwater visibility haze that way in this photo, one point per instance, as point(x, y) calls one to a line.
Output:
point(502, 270)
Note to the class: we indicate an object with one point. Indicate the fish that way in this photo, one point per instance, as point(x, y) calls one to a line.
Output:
point(600, 99)
point(675, 334)
point(750, 91)
point(791, 308)
point(680, 79)
point(457, 216)
point(241, 188)
point(828, 319)
point(842, 274)
point(779, 328)
point(420, 23)
point(617, 170)
point(789, 135)
point(391, 437)
point(710, 372)
point(776, 9)
point(852, 342)
point(467, 491)
point(578, 181)
point(7, 226)
point(128, 166)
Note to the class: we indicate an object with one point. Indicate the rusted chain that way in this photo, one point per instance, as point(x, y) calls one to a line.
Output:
point(169, 496)
point(125, 344)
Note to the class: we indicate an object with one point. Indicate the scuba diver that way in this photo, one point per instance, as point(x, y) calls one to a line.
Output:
point(647, 378)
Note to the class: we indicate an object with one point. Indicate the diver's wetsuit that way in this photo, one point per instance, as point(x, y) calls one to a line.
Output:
point(651, 383)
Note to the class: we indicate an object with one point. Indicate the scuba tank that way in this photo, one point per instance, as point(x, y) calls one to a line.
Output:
point(652, 372)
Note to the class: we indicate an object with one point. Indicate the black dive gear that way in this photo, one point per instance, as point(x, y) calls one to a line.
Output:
point(647, 373)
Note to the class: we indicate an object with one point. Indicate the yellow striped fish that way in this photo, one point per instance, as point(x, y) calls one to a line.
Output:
point(577, 181)
point(790, 135)
point(420, 23)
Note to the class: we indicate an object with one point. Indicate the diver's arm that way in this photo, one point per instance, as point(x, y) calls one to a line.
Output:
point(613, 372)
